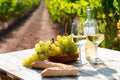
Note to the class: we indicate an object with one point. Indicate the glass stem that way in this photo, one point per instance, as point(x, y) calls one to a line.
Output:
point(96, 51)
point(80, 53)
point(82, 57)
point(98, 60)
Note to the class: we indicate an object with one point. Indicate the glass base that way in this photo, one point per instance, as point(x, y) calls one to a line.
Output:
point(95, 61)
point(98, 61)
point(79, 63)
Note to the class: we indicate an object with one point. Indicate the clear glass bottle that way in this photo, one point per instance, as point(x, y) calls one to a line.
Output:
point(90, 26)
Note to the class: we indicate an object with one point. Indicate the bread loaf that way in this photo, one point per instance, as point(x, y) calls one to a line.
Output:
point(46, 64)
point(60, 71)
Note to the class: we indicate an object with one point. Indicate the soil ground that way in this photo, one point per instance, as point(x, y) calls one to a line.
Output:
point(33, 29)
point(37, 27)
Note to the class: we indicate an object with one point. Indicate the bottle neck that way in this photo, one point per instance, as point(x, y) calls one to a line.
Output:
point(89, 13)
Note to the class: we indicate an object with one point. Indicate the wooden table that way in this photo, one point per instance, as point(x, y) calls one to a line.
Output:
point(109, 70)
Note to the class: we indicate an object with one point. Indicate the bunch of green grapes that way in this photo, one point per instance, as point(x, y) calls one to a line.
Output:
point(62, 46)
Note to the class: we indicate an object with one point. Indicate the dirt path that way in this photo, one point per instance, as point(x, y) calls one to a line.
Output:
point(36, 28)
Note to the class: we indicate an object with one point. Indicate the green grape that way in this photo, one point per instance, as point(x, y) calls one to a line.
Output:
point(48, 43)
point(57, 43)
point(42, 57)
point(73, 47)
point(69, 38)
point(37, 48)
point(52, 53)
point(29, 60)
point(59, 37)
point(41, 43)
point(26, 62)
point(53, 46)
point(64, 42)
point(57, 49)
point(46, 50)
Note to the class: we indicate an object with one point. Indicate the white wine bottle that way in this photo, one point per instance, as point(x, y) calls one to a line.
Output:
point(90, 28)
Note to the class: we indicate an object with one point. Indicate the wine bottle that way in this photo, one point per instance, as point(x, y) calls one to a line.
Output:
point(90, 28)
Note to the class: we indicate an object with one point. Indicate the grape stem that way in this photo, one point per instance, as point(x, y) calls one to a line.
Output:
point(53, 40)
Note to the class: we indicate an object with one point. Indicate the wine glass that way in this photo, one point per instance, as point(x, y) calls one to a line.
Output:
point(95, 39)
point(79, 39)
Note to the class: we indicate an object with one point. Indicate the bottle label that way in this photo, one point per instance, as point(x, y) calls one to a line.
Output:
point(89, 30)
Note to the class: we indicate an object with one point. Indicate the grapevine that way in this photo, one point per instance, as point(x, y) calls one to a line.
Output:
point(15, 8)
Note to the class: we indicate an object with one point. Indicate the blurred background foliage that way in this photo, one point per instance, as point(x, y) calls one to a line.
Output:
point(105, 12)
point(14, 8)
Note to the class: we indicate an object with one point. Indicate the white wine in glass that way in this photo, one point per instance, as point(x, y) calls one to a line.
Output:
point(79, 39)
point(96, 38)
